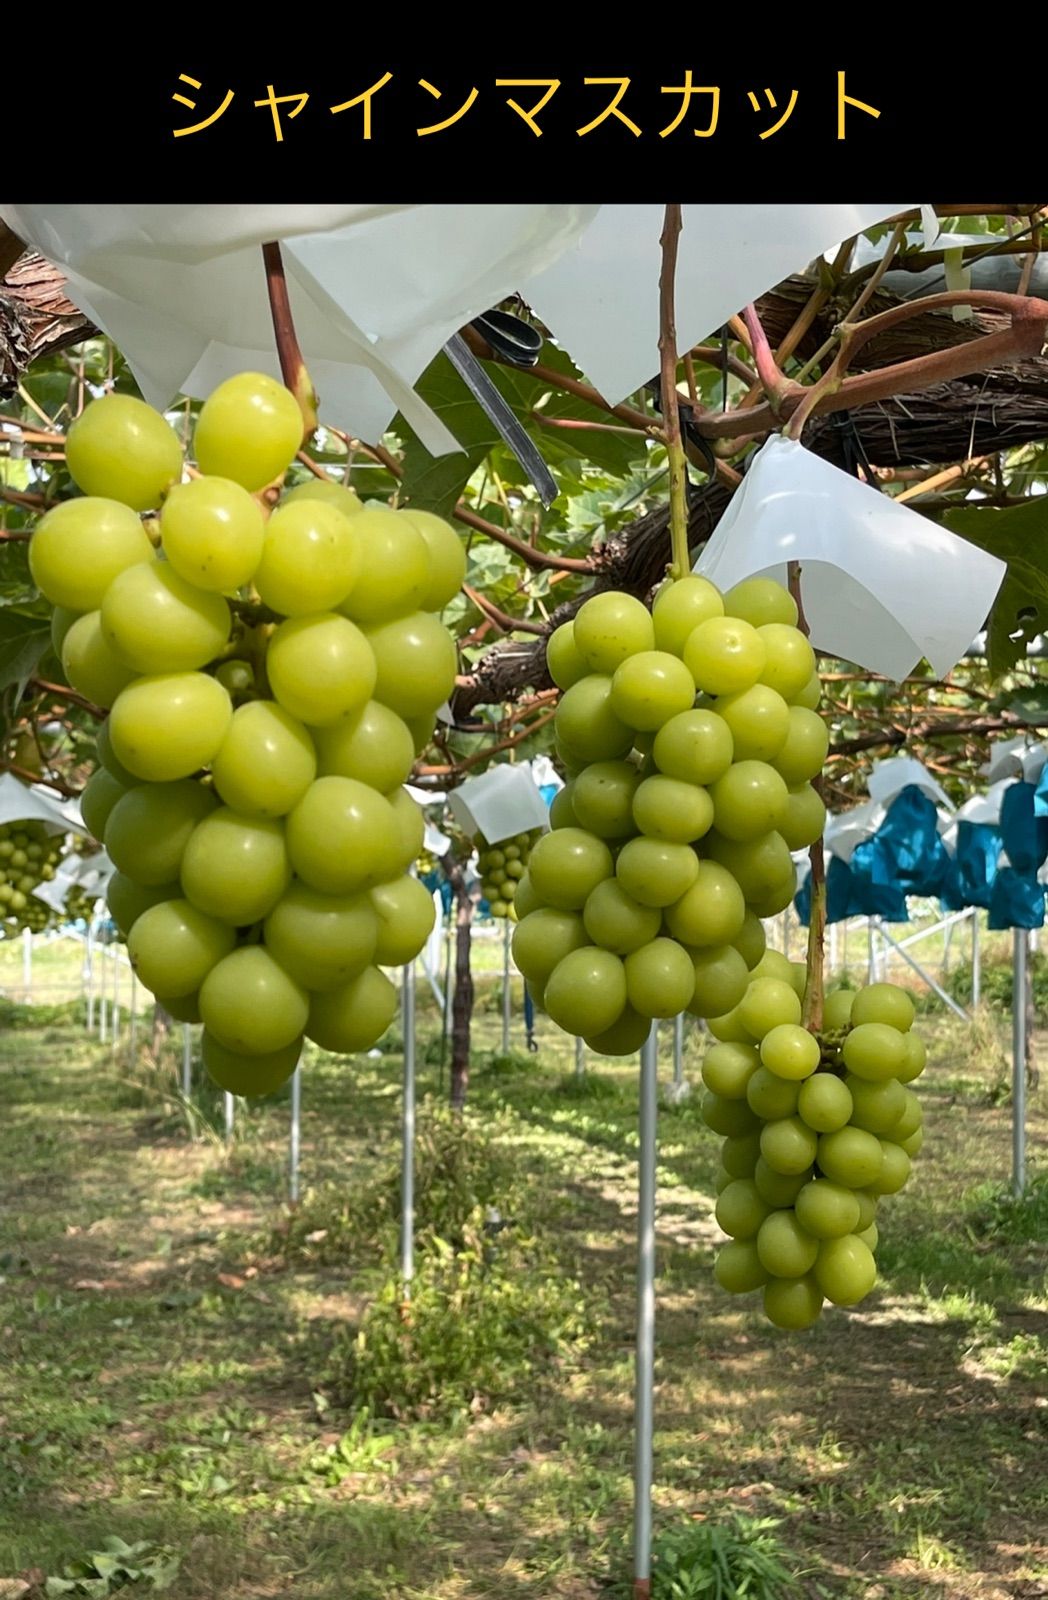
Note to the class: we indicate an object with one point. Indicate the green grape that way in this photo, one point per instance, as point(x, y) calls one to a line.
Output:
point(173, 946)
point(836, 1010)
point(62, 620)
point(602, 798)
point(767, 1004)
point(149, 828)
point(354, 1017)
point(733, 1118)
point(447, 558)
point(586, 724)
point(610, 627)
point(728, 1068)
point(738, 1267)
point(867, 1209)
point(250, 1003)
point(563, 662)
point(656, 873)
point(566, 866)
point(343, 837)
point(784, 1248)
point(724, 656)
point(525, 901)
point(310, 559)
point(340, 495)
point(825, 1102)
point(322, 940)
point(121, 448)
point(913, 1143)
point(749, 801)
point(649, 688)
point(100, 795)
point(740, 1209)
point(790, 1051)
point(237, 679)
point(695, 746)
point(909, 1120)
point(729, 1029)
point(182, 1008)
point(373, 745)
point(562, 808)
point(395, 572)
point(157, 622)
point(789, 659)
point(623, 1038)
point(756, 865)
point(751, 941)
point(404, 908)
point(720, 980)
point(759, 720)
point(235, 868)
point(411, 828)
point(845, 1270)
point(739, 1156)
point(586, 991)
point(266, 761)
point(90, 664)
point(421, 730)
point(805, 818)
point(771, 1097)
point(761, 600)
point(249, 429)
point(79, 547)
point(617, 922)
point(165, 727)
point(810, 695)
point(851, 1157)
point(884, 1003)
point(789, 1146)
point(793, 1303)
point(107, 757)
point(711, 911)
point(212, 533)
point(827, 1210)
point(876, 1106)
point(803, 752)
point(667, 808)
point(250, 1076)
point(660, 979)
point(778, 897)
point(874, 1050)
point(915, 1056)
point(679, 608)
point(321, 668)
point(894, 1169)
point(416, 661)
point(127, 900)
point(869, 1237)
point(778, 1189)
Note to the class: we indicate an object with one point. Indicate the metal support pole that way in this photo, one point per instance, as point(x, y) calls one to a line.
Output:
point(645, 1355)
point(506, 994)
point(678, 1051)
point(89, 975)
point(132, 1043)
point(976, 958)
point(187, 1060)
point(871, 951)
point(27, 962)
point(407, 1154)
point(833, 947)
point(115, 1015)
point(580, 1059)
point(229, 1107)
point(295, 1139)
point(1019, 1062)
point(103, 993)
point(947, 999)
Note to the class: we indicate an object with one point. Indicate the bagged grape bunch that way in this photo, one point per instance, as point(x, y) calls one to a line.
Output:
point(690, 737)
point(271, 679)
point(29, 855)
point(501, 868)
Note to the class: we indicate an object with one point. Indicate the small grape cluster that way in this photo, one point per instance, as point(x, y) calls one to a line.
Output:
point(272, 672)
point(29, 855)
point(816, 1130)
point(501, 868)
point(690, 737)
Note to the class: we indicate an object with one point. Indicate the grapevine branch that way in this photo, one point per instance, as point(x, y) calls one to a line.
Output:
point(678, 462)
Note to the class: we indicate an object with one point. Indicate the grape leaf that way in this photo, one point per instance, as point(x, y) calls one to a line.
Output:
point(1019, 536)
point(24, 640)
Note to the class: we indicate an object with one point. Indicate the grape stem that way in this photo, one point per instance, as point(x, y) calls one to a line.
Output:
point(811, 1014)
point(292, 364)
point(680, 563)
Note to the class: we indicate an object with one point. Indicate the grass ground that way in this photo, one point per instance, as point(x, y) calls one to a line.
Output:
point(166, 1359)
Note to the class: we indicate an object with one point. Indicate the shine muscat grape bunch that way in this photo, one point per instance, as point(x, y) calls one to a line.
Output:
point(29, 855)
point(501, 868)
point(270, 684)
point(816, 1130)
point(690, 737)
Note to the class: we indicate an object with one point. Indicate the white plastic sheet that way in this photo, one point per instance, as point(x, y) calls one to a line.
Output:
point(26, 802)
point(377, 289)
point(502, 802)
point(1015, 758)
point(890, 777)
point(882, 586)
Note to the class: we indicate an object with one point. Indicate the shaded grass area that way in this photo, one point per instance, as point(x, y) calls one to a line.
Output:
point(170, 1336)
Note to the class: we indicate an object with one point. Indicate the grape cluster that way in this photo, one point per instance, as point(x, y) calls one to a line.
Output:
point(28, 857)
point(501, 868)
point(690, 737)
point(271, 681)
point(816, 1130)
